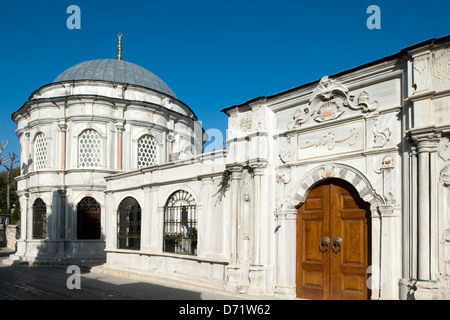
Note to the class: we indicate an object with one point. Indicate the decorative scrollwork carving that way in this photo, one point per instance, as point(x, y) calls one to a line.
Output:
point(328, 102)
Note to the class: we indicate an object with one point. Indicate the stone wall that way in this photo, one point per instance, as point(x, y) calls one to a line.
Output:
point(12, 234)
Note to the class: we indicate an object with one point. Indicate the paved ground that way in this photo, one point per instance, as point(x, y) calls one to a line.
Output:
point(20, 282)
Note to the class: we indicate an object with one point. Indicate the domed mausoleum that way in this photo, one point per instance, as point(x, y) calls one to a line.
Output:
point(96, 119)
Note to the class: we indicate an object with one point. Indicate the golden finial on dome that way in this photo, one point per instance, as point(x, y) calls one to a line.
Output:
point(119, 56)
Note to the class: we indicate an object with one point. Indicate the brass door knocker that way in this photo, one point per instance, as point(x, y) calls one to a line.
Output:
point(324, 244)
point(337, 244)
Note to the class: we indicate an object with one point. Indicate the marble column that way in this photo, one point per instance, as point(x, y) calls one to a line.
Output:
point(120, 130)
point(426, 143)
point(258, 172)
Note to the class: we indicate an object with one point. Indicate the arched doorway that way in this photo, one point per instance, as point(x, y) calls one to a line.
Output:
point(333, 242)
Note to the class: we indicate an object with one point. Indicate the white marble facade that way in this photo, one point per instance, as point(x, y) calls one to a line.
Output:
point(384, 127)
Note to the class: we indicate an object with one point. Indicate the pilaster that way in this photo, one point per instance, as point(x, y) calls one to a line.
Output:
point(28, 151)
point(63, 129)
point(285, 231)
point(146, 219)
point(261, 271)
point(258, 215)
point(120, 129)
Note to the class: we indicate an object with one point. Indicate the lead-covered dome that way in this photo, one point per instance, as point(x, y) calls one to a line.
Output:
point(115, 71)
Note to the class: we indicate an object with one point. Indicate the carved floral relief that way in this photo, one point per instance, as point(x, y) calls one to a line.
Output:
point(444, 154)
point(380, 138)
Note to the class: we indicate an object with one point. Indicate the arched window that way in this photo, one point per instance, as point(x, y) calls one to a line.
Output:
point(180, 224)
point(147, 151)
point(40, 152)
point(129, 224)
point(88, 219)
point(39, 219)
point(89, 149)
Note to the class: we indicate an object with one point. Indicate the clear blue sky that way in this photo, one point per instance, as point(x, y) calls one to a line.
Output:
point(212, 54)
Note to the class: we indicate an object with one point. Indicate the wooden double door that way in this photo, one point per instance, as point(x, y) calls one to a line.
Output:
point(333, 243)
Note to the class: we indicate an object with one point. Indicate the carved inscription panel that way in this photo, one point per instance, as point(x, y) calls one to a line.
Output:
point(440, 70)
point(330, 141)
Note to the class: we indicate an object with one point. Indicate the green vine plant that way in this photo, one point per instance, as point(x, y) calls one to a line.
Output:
point(224, 185)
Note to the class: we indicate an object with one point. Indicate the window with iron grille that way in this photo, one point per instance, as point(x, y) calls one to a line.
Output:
point(88, 219)
point(147, 151)
point(40, 152)
point(39, 219)
point(89, 149)
point(129, 224)
point(180, 224)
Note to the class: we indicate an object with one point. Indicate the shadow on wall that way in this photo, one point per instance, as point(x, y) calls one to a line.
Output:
point(50, 232)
